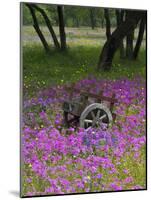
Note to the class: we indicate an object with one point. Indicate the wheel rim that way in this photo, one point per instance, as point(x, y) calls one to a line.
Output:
point(95, 115)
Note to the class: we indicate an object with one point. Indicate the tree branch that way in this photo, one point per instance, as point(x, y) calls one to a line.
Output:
point(37, 29)
point(48, 23)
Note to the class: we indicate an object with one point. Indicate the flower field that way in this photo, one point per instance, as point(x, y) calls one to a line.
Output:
point(59, 160)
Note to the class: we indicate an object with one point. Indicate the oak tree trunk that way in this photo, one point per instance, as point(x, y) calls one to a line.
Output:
point(129, 41)
point(102, 22)
point(48, 23)
point(61, 28)
point(111, 45)
point(140, 37)
point(37, 29)
point(108, 24)
point(77, 22)
point(92, 18)
point(119, 19)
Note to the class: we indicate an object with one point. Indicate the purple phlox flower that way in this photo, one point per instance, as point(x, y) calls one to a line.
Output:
point(128, 180)
point(115, 187)
point(125, 171)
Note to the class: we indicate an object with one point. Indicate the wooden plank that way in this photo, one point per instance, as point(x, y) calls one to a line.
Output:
point(104, 98)
point(112, 102)
point(99, 97)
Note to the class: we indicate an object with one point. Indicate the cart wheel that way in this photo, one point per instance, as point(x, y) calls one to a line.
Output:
point(95, 115)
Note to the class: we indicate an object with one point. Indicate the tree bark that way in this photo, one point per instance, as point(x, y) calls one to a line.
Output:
point(119, 19)
point(48, 23)
point(111, 45)
point(129, 41)
point(108, 24)
point(92, 18)
point(77, 22)
point(102, 22)
point(140, 37)
point(37, 29)
point(61, 28)
point(129, 45)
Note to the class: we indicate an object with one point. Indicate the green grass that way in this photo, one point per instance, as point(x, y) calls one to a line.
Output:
point(43, 70)
point(73, 32)
point(81, 35)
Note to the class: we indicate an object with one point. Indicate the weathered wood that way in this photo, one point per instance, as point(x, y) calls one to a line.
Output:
point(67, 121)
point(102, 98)
point(112, 102)
point(80, 107)
point(98, 117)
point(99, 96)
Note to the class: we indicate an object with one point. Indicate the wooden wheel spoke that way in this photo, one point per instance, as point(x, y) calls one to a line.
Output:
point(101, 118)
point(92, 114)
point(94, 122)
point(98, 114)
point(88, 121)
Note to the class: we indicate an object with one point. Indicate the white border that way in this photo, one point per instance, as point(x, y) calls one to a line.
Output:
point(9, 98)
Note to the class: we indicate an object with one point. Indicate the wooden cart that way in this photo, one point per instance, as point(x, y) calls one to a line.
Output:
point(88, 109)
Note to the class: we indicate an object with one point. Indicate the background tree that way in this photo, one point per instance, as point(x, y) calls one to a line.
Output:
point(52, 14)
point(74, 16)
point(62, 28)
point(120, 18)
point(129, 40)
point(101, 17)
point(37, 29)
point(92, 18)
point(111, 45)
point(108, 24)
point(48, 23)
point(140, 37)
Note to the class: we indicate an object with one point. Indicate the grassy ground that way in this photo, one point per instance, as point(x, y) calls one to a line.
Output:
point(79, 61)
point(80, 35)
point(41, 70)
